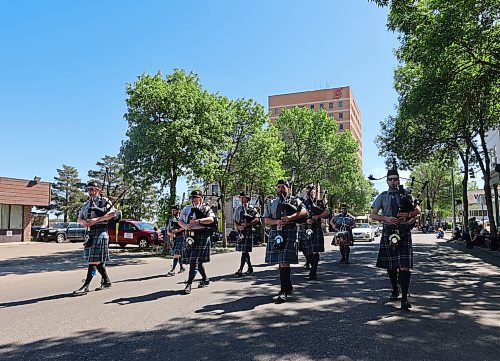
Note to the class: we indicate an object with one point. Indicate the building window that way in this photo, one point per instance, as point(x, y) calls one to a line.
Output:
point(11, 216)
point(341, 126)
point(341, 115)
point(276, 110)
point(321, 106)
point(330, 114)
point(341, 103)
point(330, 105)
point(312, 106)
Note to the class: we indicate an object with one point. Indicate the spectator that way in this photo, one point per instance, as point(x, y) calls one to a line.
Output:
point(440, 233)
point(456, 234)
point(480, 236)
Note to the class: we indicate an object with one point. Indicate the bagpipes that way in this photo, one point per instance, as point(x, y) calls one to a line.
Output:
point(406, 205)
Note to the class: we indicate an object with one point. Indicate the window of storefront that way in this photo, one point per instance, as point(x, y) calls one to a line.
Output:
point(11, 216)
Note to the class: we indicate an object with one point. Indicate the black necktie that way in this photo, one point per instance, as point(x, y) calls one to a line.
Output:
point(279, 208)
point(394, 205)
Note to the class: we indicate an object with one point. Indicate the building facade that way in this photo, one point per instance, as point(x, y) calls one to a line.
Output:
point(339, 103)
point(17, 197)
point(493, 144)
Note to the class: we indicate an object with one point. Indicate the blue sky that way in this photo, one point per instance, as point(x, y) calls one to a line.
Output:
point(64, 66)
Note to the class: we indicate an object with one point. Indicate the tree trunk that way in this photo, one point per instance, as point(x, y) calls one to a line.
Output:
point(173, 189)
point(223, 212)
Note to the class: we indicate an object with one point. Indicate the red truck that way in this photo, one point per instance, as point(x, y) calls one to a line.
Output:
point(140, 233)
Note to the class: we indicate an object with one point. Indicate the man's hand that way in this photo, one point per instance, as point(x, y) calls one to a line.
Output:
point(285, 220)
point(392, 220)
point(310, 221)
point(412, 220)
point(92, 221)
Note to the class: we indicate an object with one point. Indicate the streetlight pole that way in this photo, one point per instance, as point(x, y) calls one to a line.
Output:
point(453, 197)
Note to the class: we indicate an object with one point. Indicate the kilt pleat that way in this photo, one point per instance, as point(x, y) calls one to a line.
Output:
point(314, 243)
point(289, 254)
point(99, 252)
point(178, 247)
point(246, 244)
point(395, 257)
point(200, 250)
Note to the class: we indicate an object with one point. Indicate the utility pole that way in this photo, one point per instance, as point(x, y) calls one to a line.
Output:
point(453, 197)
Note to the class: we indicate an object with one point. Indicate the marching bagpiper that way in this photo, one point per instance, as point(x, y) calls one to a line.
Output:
point(281, 213)
point(311, 238)
point(176, 235)
point(245, 217)
point(196, 219)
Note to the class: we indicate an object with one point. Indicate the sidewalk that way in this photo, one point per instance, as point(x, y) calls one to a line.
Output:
point(485, 254)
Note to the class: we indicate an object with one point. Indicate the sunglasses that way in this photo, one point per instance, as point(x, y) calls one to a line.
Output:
point(392, 179)
point(92, 189)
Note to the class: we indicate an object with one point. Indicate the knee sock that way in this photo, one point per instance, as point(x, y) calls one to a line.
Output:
point(393, 276)
point(201, 269)
point(308, 258)
point(181, 266)
point(90, 274)
point(404, 278)
point(101, 268)
point(192, 272)
point(314, 264)
point(248, 260)
point(284, 276)
point(342, 252)
point(242, 261)
point(175, 263)
point(346, 252)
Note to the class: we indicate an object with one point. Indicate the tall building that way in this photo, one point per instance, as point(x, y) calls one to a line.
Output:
point(339, 103)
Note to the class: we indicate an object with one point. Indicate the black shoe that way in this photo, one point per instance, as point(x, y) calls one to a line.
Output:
point(307, 266)
point(203, 283)
point(405, 305)
point(187, 289)
point(103, 286)
point(347, 261)
point(312, 277)
point(238, 273)
point(342, 260)
point(182, 270)
point(281, 298)
point(249, 271)
point(394, 295)
point(82, 290)
point(171, 273)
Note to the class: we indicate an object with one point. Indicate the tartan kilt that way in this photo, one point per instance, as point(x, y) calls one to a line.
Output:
point(99, 251)
point(289, 254)
point(178, 247)
point(392, 257)
point(315, 243)
point(200, 250)
point(246, 244)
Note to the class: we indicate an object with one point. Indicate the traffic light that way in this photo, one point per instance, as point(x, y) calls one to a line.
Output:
point(471, 173)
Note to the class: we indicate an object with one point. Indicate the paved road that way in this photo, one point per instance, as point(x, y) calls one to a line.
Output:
point(344, 315)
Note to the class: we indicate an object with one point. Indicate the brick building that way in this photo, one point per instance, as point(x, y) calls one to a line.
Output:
point(17, 197)
point(339, 103)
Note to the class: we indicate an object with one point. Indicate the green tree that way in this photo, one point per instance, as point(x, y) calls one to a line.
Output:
point(173, 129)
point(316, 153)
point(135, 196)
point(67, 194)
point(448, 82)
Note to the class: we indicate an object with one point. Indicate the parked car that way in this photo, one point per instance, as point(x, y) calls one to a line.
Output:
point(61, 232)
point(363, 231)
point(139, 233)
